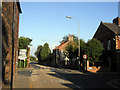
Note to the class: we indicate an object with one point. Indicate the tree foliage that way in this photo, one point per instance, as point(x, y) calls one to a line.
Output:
point(24, 42)
point(37, 53)
point(73, 47)
point(32, 58)
point(94, 50)
point(71, 50)
point(45, 51)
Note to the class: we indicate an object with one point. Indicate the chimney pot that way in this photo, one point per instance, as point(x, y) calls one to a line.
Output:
point(117, 21)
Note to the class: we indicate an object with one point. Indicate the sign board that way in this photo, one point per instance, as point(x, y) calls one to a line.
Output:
point(85, 56)
point(22, 54)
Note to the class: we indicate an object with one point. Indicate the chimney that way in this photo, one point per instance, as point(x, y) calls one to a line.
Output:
point(117, 21)
point(62, 42)
point(70, 38)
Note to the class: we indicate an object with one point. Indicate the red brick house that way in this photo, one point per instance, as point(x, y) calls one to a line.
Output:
point(59, 51)
point(8, 18)
point(109, 35)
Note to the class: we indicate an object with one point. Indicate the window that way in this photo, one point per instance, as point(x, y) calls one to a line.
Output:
point(109, 45)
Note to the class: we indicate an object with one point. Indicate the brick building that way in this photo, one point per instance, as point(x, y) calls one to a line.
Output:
point(59, 51)
point(109, 35)
point(8, 19)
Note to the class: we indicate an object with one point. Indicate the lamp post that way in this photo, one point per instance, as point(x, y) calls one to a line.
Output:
point(78, 37)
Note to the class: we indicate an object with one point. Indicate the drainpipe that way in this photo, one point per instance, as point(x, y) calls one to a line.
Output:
point(13, 29)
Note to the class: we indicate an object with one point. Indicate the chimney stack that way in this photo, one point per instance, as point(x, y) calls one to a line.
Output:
point(117, 21)
point(70, 38)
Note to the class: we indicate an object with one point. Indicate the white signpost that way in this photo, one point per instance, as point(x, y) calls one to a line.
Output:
point(22, 56)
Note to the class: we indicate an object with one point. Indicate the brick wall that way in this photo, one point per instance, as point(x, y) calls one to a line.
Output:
point(117, 41)
point(7, 9)
point(118, 60)
point(104, 34)
point(7, 21)
point(109, 56)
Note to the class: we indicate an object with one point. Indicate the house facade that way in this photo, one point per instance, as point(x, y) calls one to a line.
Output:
point(109, 35)
point(10, 23)
point(59, 52)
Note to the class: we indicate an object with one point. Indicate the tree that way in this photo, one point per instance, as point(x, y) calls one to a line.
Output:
point(37, 53)
point(94, 50)
point(70, 50)
point(32, 58)
point(83, 48)
point(45, 52)
point(24, 42)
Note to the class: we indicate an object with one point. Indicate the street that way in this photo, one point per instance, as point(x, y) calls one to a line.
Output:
point(39, 76)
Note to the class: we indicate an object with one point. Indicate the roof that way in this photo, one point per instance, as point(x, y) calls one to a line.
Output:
point(60, 45)
point(113, 27)
point(19, 8)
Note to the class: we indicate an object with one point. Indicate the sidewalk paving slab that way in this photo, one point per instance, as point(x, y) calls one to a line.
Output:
point(22, 78)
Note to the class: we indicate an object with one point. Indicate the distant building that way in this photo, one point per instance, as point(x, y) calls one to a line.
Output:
point(109, 35)
point(7, 27)
point(59, 51)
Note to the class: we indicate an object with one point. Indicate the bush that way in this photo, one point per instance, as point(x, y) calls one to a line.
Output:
point(22, 64)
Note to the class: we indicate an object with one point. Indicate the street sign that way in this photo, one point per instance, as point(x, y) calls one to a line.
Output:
point(22, 54)
point(85, 56)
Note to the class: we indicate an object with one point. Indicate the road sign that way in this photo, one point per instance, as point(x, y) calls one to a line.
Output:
point(85, 56)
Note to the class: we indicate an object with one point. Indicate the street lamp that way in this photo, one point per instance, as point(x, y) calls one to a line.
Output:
point(78, 36)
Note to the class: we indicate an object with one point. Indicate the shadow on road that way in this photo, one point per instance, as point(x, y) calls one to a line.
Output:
point(87, 80)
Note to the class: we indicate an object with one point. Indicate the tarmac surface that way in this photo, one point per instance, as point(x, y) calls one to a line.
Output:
point(39, 76)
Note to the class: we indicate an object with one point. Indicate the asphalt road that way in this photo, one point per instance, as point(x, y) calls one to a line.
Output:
point(47, 77)
point(39, 76)
point(83, 80)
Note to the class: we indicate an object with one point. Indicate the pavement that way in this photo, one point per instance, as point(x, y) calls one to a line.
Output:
point(39, 76)
point(22, 78)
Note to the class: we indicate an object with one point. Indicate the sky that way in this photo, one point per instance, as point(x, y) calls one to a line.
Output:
point(46, 21)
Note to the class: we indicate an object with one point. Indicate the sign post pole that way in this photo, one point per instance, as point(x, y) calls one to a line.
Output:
point(85, 58)
point(86, 65)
